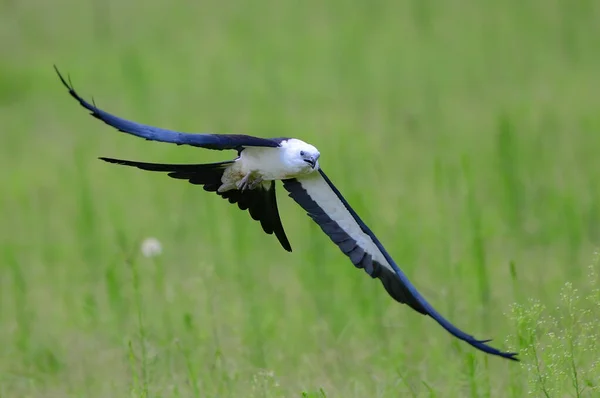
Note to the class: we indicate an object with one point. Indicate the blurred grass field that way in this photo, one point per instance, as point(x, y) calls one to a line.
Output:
point(464, 133)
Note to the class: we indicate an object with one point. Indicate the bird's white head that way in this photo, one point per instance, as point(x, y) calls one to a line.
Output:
point(301, 156)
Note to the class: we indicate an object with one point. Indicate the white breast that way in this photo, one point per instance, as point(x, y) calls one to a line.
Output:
point(268, 163)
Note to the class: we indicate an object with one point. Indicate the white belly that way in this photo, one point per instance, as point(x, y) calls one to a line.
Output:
point(268, 163)
point(262, 163)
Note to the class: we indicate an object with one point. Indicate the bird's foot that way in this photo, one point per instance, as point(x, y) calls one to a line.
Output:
point(243, 183)
point(248, 182)
point(255, 183)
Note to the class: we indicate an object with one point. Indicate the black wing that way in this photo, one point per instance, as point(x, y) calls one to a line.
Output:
point(327, 207)
point(208, 141)
point(260, 202)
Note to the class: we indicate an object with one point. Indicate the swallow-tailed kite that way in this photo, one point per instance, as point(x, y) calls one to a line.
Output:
point(249, 181)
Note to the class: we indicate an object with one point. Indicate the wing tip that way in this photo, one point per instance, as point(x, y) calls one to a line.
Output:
point(110, 160)
point(69, 85)
point(483, 346)
point(60, 76)
point(511, 356)
point(122, 162)
point(507, 355)
point(66, 82)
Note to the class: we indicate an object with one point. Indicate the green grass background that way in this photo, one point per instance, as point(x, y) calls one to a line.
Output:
point(465, 133)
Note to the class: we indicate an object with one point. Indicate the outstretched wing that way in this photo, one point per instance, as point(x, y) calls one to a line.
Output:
point(208, 141)
point(261, 202)
point(328, 208)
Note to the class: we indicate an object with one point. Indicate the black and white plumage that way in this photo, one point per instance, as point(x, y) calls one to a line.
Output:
point(249, 180)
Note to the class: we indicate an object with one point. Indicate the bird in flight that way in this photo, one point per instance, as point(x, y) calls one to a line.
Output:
point(249, 180)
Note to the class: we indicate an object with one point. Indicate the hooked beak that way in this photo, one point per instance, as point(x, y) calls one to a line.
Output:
point(312, 161)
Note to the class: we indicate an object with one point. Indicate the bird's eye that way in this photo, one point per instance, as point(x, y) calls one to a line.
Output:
point(302, 153)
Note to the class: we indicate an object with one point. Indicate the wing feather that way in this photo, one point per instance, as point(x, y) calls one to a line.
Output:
point(260, 202)
point(317, 195)
point(151, 133)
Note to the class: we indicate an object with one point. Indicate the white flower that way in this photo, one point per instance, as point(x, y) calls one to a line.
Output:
point(151, 247)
